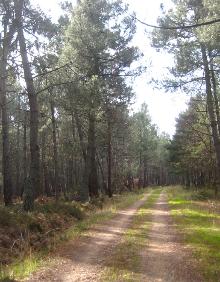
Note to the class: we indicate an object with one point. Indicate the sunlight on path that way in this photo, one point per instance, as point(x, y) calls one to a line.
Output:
point(165, 258)
point(83, 260)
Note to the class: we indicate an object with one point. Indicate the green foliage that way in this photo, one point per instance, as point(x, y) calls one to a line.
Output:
point(23, 232)
point(203, 195)
point(65, 208)
point(147, 148)
point(193, 148)
point(191, 152)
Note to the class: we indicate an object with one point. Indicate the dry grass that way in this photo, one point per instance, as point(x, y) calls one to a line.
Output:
point(26, 239)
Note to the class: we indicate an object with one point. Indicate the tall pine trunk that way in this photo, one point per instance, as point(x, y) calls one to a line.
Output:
point(24, 151)
point(145, 184)
point(109, 159)
point(211, 110)
point(18, 167)
point(33, 187)
point(55, 154)
point(80, 132)
point(91, 158)
point(6, 156)
point(214, 90)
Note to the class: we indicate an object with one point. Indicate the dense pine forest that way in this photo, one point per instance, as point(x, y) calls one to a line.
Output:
point(73, 152)
point(66, 127)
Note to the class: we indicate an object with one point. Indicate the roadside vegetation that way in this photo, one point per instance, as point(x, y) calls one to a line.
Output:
point(197, 215)
point(67, 131)
point(125, 262)
point(30, 239)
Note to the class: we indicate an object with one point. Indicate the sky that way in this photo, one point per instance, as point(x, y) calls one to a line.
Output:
point(163, 107)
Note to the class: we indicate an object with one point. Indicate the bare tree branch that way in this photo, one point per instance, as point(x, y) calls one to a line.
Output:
point(179, 27)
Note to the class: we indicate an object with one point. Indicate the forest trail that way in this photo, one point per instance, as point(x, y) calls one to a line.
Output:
point(83, 259)
point(166, 258)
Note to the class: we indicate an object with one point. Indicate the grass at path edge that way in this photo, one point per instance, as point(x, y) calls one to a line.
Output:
point(200, 228)
point(23, 267)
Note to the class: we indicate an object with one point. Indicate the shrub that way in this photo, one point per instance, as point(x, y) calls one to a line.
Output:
point(202, 195)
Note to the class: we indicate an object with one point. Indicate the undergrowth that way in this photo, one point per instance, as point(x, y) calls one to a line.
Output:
point(27, 239)
point(199, 221)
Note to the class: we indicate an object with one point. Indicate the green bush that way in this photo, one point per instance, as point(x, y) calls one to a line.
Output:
point(63, 208)
point(73, 210)
point(202, 195)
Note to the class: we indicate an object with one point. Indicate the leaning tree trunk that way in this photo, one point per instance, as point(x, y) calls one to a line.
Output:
point(33, 186)
point(211, 110)
point(214, 89)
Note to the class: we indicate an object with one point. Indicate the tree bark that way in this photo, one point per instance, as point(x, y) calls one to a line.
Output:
point(34, 188)
point(109, 159)
point(24, 151)
point(214, 89)
point(211, 110)
point(80, 133)
point(55, 154)
point(145, 184)
point(104, 186)
point(91, 158)
point(6, 156)
point(84, 191)
point(18, 167)
point(140, 179)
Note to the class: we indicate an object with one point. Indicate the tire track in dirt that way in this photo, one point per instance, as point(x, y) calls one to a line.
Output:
point(83, 259)
point(166, 258)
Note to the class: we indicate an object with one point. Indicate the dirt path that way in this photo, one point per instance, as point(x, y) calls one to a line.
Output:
point(166, 258)
point(82, 260)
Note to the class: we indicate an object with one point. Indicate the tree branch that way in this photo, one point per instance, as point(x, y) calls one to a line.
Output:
point(179, 27)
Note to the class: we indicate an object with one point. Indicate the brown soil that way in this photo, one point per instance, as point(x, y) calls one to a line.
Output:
point(83, 259)
point(166, 258)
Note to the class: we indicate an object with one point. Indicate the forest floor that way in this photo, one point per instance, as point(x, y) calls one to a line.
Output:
point(141, 243)
point(83, 259)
